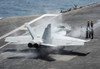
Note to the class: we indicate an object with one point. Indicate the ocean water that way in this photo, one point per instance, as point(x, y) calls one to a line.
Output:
point(10, 8)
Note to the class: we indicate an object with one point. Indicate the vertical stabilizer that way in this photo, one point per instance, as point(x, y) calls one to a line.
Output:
point(47, 34)
point(30, 30)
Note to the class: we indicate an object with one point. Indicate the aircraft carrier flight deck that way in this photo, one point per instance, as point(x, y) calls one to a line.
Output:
point(16, 56)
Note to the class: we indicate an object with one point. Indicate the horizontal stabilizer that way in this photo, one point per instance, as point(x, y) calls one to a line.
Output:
point(19, 39)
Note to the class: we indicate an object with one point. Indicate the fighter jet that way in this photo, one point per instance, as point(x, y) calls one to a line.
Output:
point(48, 38)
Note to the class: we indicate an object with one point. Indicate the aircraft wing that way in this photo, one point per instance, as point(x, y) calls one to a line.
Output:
point(65, 41)
point(19, 39)
point(55, 39)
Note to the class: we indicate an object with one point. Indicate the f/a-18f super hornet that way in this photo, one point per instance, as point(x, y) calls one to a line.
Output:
point(48, 38)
